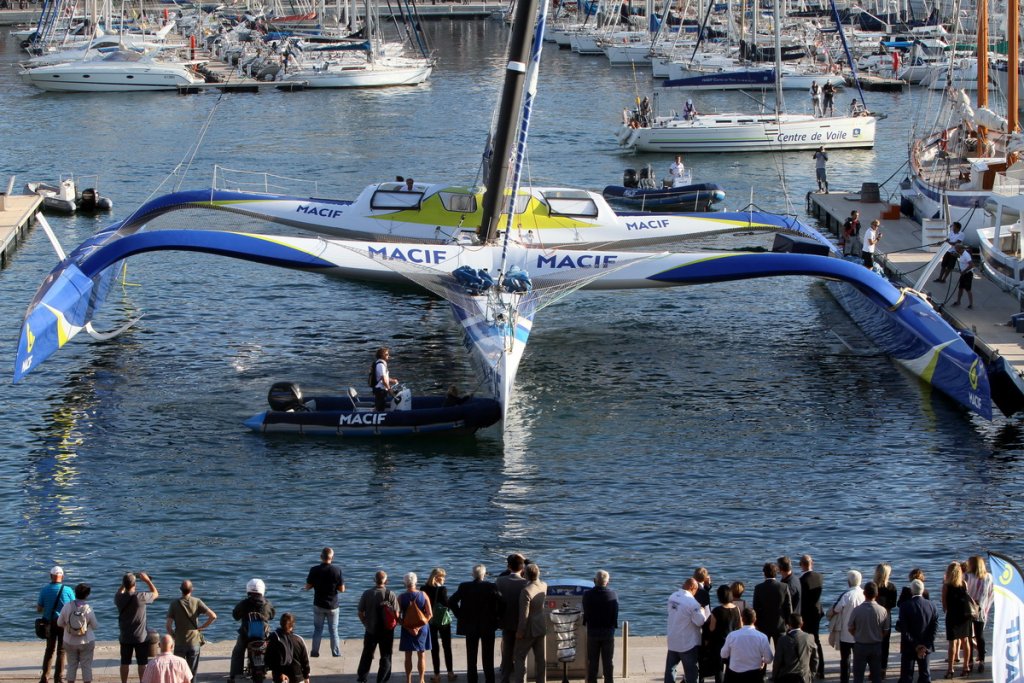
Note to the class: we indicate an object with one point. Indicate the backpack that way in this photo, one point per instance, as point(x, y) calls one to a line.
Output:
point(256, 627)
point(388, 616)
point(372, 379)
point(78, 622)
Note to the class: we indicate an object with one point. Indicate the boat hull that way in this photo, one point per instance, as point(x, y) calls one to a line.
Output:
point(699, 197)
point(427, 415)
point(747, 133)
point(61, 78)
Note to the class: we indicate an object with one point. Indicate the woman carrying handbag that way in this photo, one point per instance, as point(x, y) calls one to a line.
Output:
point(440, 624)
point(415, 636)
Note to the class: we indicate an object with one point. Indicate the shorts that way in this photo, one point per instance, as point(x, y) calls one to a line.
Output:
point(141, 651)
point(966, 280)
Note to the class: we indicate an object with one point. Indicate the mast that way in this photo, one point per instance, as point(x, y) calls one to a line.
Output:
point(777, 20)
point(504, 133)
point(1012, 66)
point(982, 64)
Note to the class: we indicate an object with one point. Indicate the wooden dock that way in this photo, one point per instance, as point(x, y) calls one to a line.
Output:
point(906, 249)
point(16, 214)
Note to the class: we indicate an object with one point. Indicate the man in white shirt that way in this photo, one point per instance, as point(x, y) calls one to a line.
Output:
point(747, 650)
point(685, 619)
point(842, 610)
point(966, 266)
point(871, 237)
point(677, 170)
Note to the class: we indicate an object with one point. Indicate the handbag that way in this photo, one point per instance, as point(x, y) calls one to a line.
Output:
point(442, 614)
point(973, 608)
point(42, 628)
point(413, 619)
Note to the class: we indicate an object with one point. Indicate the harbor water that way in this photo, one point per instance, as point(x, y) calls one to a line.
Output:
point(719, 425)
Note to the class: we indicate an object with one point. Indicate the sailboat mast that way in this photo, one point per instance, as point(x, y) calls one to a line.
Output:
point(780, 105)
point(504, 134)
point(982, 64)
point(1012, 66)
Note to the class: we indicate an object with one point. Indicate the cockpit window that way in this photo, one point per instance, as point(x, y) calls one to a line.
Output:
point(395, 200)
point(458, 202)
point(571, 203)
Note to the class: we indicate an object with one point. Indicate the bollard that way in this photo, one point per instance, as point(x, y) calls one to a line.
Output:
point(625, 649)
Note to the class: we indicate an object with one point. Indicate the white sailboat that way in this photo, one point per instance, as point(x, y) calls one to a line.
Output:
point(743, 132)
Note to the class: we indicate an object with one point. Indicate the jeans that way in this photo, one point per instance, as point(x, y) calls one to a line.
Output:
point(600, 649)
point(79, 656)
point(384, 641)
point(979, 638)
point(484, 642)
point(870, 655)
point(238, 655)
point(441, 638)
point(319, 614)
point(908, 658)
point(54, 647)
point(190, 653)
point(689, 661)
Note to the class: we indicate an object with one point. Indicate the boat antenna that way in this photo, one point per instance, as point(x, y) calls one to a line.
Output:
point(511, 102)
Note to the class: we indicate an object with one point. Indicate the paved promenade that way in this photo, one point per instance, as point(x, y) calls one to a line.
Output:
point(645, 662)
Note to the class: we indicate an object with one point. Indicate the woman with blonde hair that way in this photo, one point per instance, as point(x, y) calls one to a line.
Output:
point(979, 587)
point(956, 603)
point(887, 599)
point(440, 634)
point(414, 638)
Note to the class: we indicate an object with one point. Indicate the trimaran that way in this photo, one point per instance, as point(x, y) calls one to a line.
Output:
point(498, 255)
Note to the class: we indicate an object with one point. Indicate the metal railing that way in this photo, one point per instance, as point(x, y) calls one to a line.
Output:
point(254, 181)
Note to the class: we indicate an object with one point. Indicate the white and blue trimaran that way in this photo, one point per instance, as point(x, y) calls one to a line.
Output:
point(498, 255)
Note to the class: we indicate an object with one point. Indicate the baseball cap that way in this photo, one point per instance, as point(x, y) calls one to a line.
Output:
point(57, 570)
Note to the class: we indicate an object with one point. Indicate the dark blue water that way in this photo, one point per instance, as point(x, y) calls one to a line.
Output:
point(655, 431)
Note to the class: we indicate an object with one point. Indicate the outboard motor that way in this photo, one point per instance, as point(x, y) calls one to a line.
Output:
point(629, 178)
point(286, 396)
point(87, 202)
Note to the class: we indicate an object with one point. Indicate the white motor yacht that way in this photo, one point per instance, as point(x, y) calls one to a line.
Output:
point(118, 71)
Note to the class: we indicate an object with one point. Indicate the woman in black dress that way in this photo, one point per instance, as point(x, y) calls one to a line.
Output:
point(724, 620)
point(887, 599)
point(957, 606)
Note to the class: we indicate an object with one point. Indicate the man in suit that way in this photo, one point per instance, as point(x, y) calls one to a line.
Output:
point(510, 585)
point(772, 604)
point(810, 606)
point(791, 581)
point(796, 658)
point(917, 625)
point(477, 606)
point(601, 617)
point(533, 627)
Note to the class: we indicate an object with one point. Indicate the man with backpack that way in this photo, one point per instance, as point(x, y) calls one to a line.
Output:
point(52, 599)
point(381, 380)
point(79, 624)
point(378, 611)
point(254, 614)
point(183, 624)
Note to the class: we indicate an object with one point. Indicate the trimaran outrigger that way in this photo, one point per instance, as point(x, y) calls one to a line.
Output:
point(498, 255)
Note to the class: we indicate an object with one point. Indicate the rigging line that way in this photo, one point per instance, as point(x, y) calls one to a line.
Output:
point(191, 155)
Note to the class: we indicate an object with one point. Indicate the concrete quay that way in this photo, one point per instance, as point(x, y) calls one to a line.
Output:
point(903, 253)
point(637, 660)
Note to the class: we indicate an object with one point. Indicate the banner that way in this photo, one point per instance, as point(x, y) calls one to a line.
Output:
point(1007, 645)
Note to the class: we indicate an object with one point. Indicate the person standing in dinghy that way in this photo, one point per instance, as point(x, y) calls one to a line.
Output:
point(383, 382)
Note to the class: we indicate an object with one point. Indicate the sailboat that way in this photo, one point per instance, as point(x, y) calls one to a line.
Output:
point(742, 132)
point(497, 282)
point(953, 171)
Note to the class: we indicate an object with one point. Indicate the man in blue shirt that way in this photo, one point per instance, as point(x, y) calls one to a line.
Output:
point(51, 599)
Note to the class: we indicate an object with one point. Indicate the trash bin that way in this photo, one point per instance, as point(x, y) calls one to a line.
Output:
point(566, 642)
point(153, 642)
point(869, 192)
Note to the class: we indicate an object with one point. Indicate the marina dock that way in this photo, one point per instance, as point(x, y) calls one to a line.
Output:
point(638, 659)
point(904, 252)
point(16, 214)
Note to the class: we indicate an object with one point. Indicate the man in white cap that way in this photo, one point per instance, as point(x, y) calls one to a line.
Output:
point(50, 602)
